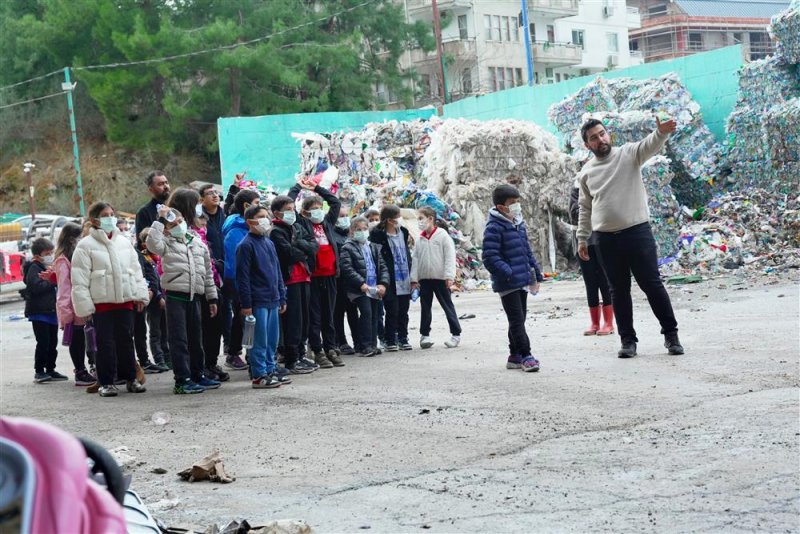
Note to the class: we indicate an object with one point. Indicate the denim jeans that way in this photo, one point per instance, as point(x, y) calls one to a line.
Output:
point(265, 341)
point(634, 250)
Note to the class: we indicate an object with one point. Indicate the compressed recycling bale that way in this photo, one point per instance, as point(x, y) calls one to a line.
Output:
point(766, 82)
point(593, 97)
point(785, 29)
point(782, 132)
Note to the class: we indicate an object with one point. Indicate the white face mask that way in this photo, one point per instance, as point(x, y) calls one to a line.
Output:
point(264, 225)
point(423, 224)
point(361, 235)
point(343, 223)
point(372, 224)
point(198, 210)
point(47, 260)
point(289, 217)
point(515, 210)
point(398, 223)
point(108, 224)
point(316, 215)
point(178, 230)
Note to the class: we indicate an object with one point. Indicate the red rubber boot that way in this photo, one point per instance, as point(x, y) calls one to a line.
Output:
point(594, 313)
point(608, 321)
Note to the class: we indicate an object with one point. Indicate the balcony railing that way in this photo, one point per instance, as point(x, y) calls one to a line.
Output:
point(564, 8)
point(633, 18)
point(457, 49)
point(556, 54)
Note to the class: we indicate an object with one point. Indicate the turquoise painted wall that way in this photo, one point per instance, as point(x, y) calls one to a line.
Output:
point(711, 78)
point(264, 146)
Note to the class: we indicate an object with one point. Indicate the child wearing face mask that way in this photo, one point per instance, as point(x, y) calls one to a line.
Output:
point(186, 278)
point(343, 305)
point(373, 218)
point(515, 272)
point(263, 295)
point(365, 279)
point(433, 271)
point(325, 269)
point(40, 309)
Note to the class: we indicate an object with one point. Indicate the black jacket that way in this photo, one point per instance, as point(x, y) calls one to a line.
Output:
point(378, 236)
point(216, 243)
point(145, 217)
point(294, 245)
point(39, 295)
point(354, 267)
point(151, 277)
point(328, 223)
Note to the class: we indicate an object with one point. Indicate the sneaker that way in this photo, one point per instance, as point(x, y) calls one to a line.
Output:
point(530, 364)
point(299, 370)
point(219, 374)
point(453, 342)
point(673, 344)
point(208, 383)
point(367, 352)
point(391, 347)
point(187, 387)
point(161, 366)
point(41, 378)
point(236, 363)
point(628, 350)
point(405, 345)
point(280, 358)
point(514, 362)
point(335, 359)
point(134, 386)
point(309, 363)
point(55, 376)
point(83, 378)
point(322, 360)
point(93, 371)
point(281, 374)
point(425, 342)
point(93, 388)
point(381, 343)
point(346, 349)
point(150, 368)
point(266, 382)
point(108, 391)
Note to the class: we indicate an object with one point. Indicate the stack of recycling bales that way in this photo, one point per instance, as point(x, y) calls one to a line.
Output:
point(785, 29)
point(695, 154)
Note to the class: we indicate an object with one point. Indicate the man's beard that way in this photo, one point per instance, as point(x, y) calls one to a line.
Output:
point(164, 196)
point(602, 151)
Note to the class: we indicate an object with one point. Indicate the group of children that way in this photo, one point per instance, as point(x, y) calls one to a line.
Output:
point(279, 279)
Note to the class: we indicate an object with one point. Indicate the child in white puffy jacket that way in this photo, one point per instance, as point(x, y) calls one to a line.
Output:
point(187, 277)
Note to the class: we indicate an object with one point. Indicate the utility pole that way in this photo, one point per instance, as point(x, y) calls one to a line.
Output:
point(68, 86)
point(437, 33)
point(528, 45)
point(27, 168)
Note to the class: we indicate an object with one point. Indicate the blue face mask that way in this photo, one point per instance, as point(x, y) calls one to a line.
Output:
point(343, 223)
point(361, 235)
point(289, 217)
point(108, 224)
point(316, 215)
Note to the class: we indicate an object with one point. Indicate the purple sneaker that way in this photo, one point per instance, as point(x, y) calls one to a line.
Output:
point(514, 362)
point(235, 362)
point(530, 364)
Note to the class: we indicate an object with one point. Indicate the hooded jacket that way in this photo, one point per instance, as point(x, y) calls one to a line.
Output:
point(328, 223)
point(507, 254)
point(233, 231)
point(258, 273)
point(186, 263)
point(40, 295)
point(105, 271)
point(354, 266)
point(434, 257)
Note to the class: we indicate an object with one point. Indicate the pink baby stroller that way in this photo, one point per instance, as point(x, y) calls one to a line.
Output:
point(45, 483)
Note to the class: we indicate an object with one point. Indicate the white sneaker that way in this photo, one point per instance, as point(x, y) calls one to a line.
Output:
point(452, 342)
point(425, 342)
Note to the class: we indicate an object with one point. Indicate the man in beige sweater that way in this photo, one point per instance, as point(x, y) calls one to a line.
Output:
point(613, 204)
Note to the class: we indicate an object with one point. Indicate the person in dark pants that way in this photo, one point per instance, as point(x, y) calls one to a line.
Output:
point(40, 309)
point(365, 278)
point(343, 305)
point(155, 314)
point(594, 279)
point(433, 271)
point(395, 246)
point(140, 317)
point(613, 204)
point(233, 231)
point(508, 257)
point(296, 249)
point(321, 332)
point(107, 285)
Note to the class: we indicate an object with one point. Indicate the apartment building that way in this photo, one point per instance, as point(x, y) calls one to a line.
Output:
point(677, 28)
point(484, 43)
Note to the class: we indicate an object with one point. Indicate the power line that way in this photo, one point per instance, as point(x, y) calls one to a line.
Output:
point(33, 100)
point(224, 47)
point(42, 77)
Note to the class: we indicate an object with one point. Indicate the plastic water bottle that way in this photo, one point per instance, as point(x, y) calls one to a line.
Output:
point(91, 338)
point(160, 418)
point(415, 294)
point(66, 339)
point(170, 217)
point(249, 332)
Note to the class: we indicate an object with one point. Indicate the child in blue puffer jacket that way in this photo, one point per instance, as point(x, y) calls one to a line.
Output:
point(515, 272)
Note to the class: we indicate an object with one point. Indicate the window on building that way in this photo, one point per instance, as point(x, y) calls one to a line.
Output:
point(492, 79)
point(737, 37)
point(501, 78)
point(551, 33)
point(613, 42)
point(511, 82)
point(578, 38)
point(584, 72)
point(487, 27)
point(536, 78)
point(515, 30)
point(548, 74)
point(497, 34)
point(657, 10)
point(462, 27)
point(695, 41)
point(507, 28)
point(466, 81)
point(558, 77)
point(519, 79)
point(532, 28)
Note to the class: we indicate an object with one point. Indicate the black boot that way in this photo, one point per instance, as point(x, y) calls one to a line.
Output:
point(628, 349)
point(673, 344)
